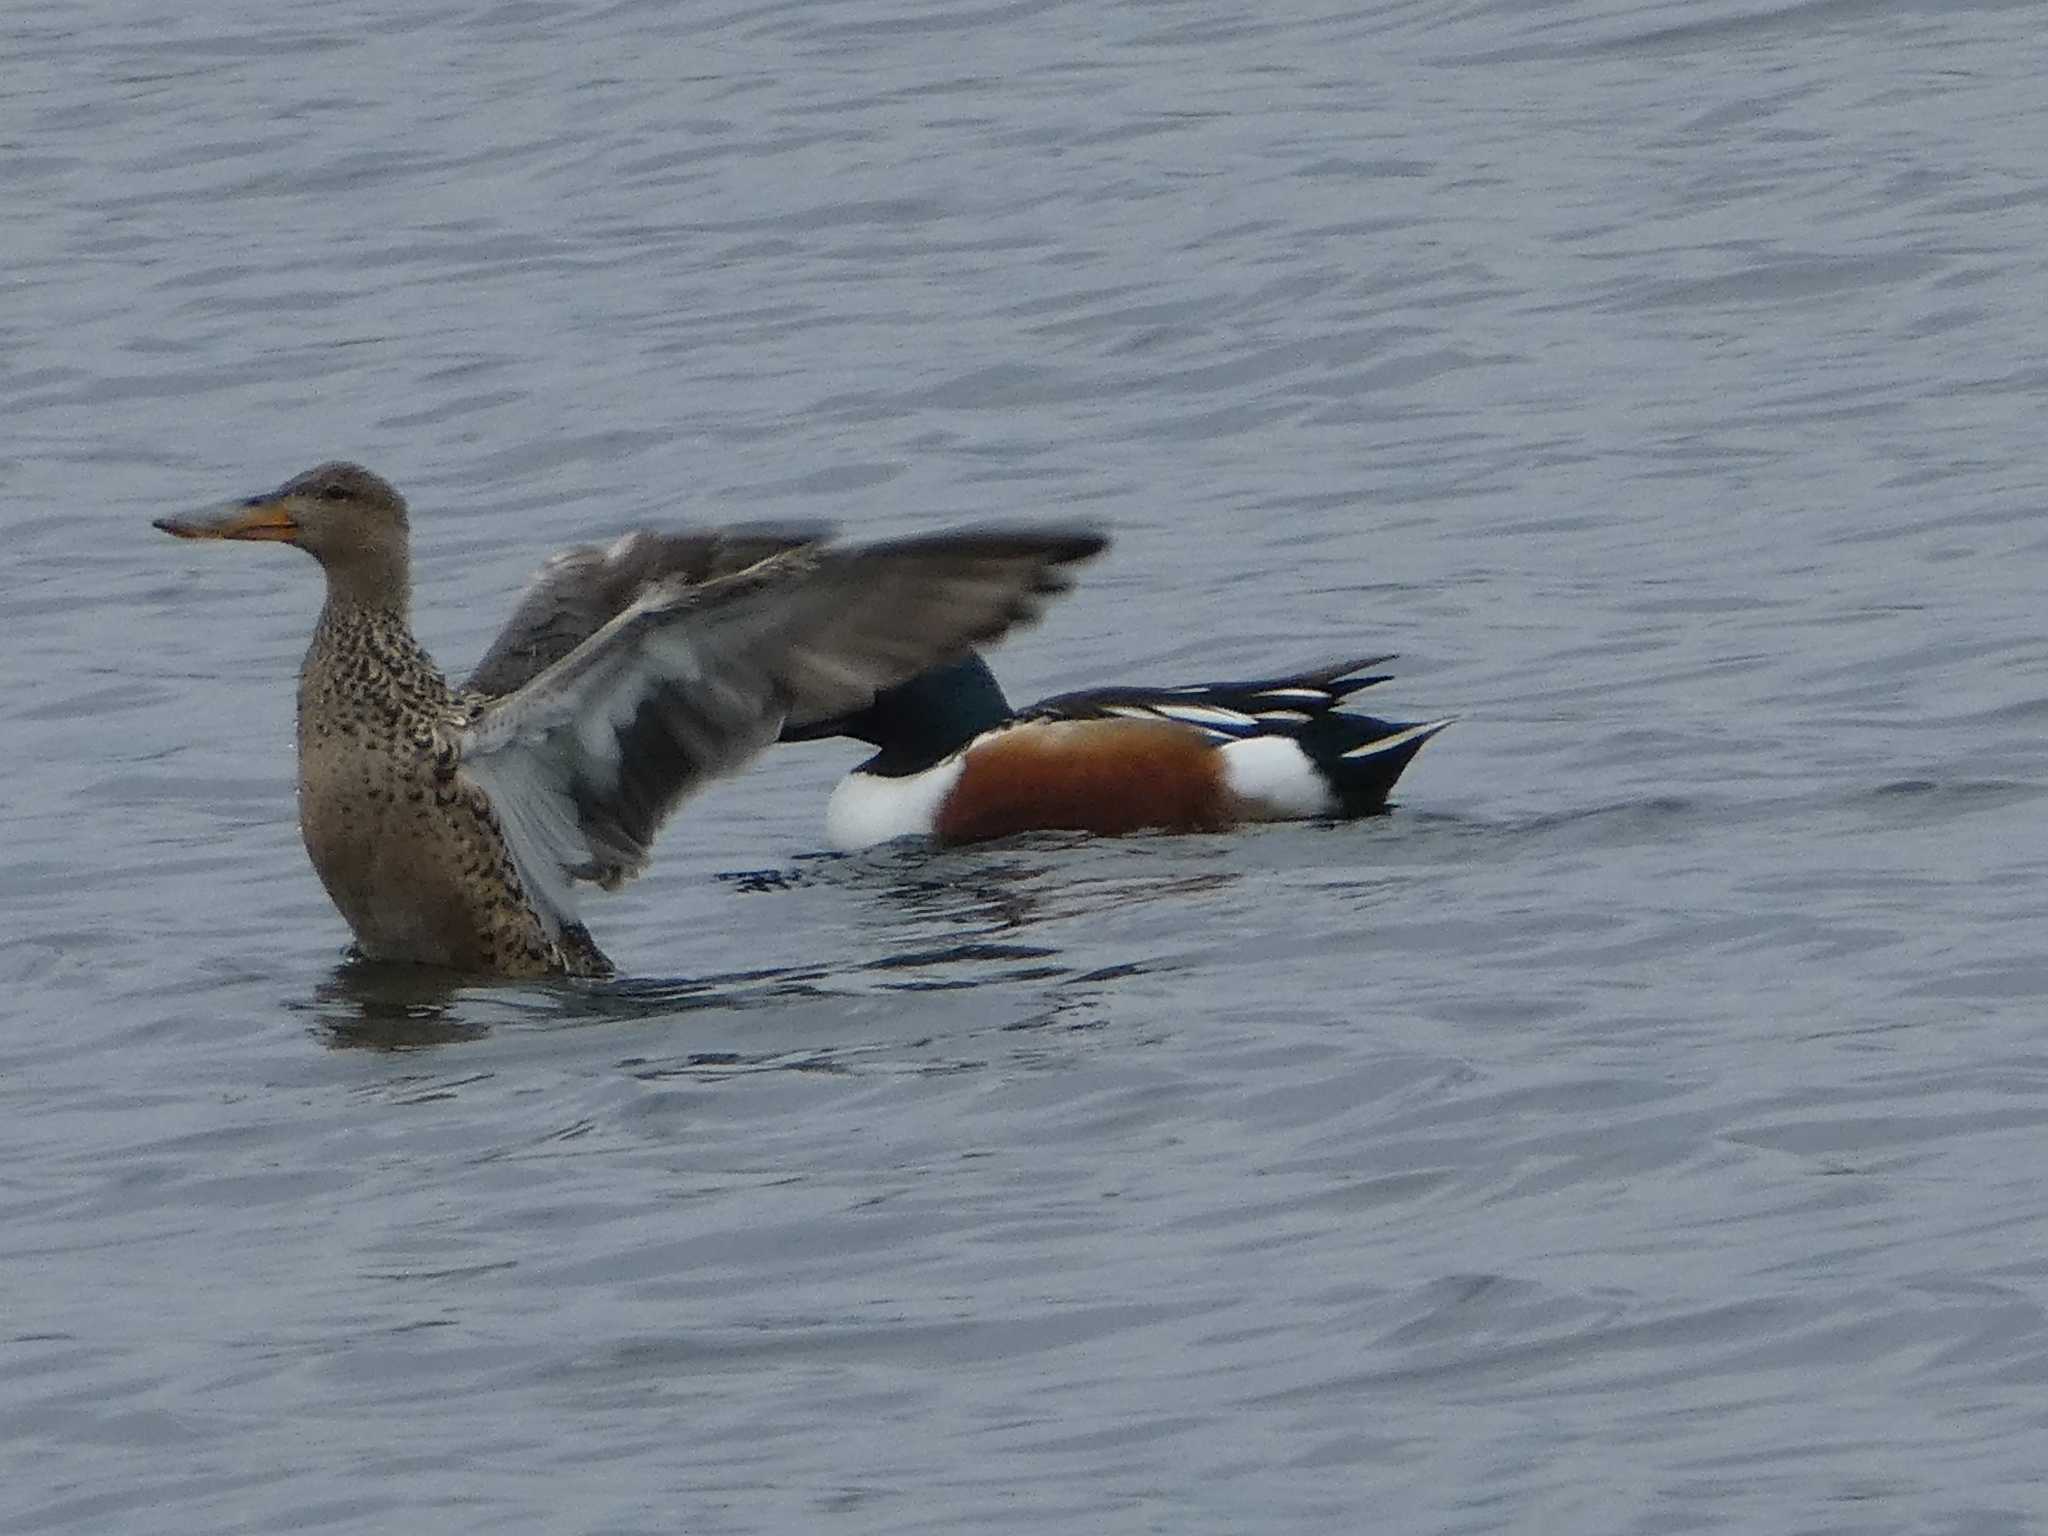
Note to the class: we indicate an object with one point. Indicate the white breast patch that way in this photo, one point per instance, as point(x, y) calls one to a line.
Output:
point(867, 809)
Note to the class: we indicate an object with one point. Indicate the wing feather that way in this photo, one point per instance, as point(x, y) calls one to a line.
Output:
point(1225, 711)
point(580, 590)
point(586, 759)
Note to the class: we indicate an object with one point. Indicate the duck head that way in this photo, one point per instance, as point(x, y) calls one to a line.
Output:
point(350, 520)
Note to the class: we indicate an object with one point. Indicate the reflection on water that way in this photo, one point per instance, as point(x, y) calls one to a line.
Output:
point(386, 1006)
point(978, 904)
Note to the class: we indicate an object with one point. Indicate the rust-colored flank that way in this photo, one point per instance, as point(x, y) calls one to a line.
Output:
point(1102, 776)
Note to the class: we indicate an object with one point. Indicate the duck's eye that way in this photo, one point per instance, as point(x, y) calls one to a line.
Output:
point(333, 493)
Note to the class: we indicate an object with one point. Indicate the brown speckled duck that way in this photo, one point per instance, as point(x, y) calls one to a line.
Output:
point(451, 826)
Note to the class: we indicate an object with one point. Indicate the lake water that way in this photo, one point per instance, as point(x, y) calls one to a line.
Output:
point(1640, 1130)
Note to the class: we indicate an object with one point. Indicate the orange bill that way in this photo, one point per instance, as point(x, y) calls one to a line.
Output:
point(260, 517)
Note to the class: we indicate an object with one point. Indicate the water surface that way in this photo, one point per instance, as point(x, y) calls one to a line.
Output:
point(1637, 1131)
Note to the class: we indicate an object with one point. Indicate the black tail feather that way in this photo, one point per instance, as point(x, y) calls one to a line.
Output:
point(1342, 747)
point(1313, 691)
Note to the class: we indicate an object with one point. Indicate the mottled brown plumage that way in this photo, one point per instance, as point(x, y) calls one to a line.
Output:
point(450, 826)
point(410, 850)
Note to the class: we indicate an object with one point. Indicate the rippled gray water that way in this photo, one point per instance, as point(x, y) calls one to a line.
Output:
point(1639, 1131)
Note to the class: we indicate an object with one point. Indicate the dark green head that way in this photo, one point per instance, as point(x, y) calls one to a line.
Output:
point(917, 723)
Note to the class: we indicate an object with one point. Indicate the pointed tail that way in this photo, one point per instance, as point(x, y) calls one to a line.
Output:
point(1361, 758)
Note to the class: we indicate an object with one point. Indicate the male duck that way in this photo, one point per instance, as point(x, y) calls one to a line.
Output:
point(957, 764)
point(451, 825)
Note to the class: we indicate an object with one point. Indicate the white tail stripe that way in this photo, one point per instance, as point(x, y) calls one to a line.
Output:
point(1302, 695)
point(1414, 733)
point(1202, 716)
point(1206, 714)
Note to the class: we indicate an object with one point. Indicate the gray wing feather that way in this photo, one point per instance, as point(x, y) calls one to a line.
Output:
point(579, 591)
point(586, 760)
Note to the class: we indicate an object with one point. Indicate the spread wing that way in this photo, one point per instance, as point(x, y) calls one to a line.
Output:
point(1226, 711)
point(585, 761)
point(579, 591)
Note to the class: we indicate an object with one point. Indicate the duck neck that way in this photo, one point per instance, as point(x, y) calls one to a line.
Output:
point(930, 717)
point(364, 655)
point(373, 580)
